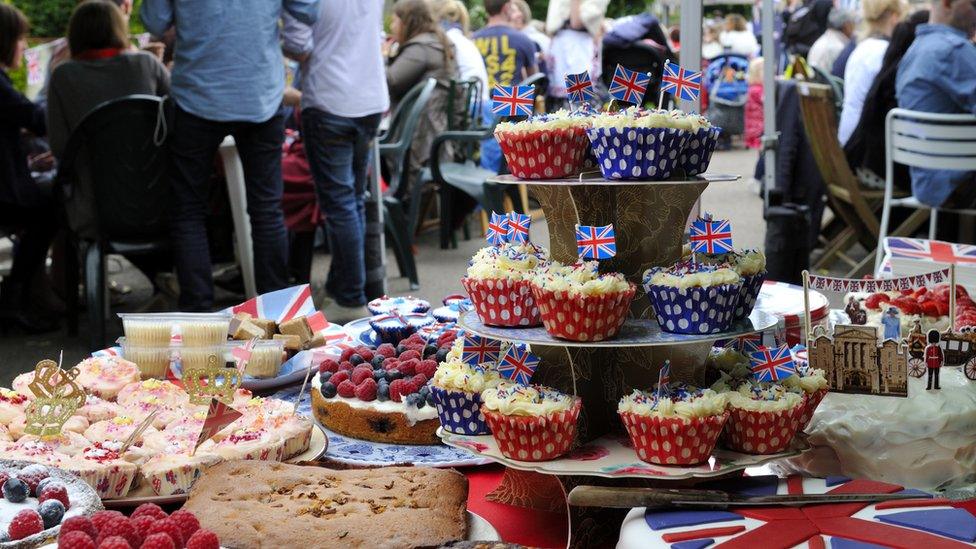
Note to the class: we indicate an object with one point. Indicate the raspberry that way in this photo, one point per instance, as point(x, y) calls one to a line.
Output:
point(410, 354)
point(119, 526)
point(142, 524)
point(329, 365)
point(386, 350)
point(168, 526)
point(361, 373)
point(366, 353)
point(366, 391)
point(338, 377)
point(76, 539)
point(346, 365)
point(428, 368)
point(150, 509)
point(187, 522)
point(25, 523)
point(79, 524)
point(391, 363)
point(203, 539)
point(114, 542)
point(54, 491)
point(398, 389)
point(419, 380)
point(100, 518)
point(346, 353)
point(158, 541)
point(346, 389)
point(409, 367)
point(32, 475)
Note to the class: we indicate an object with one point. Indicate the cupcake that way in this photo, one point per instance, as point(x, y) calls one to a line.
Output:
point(267, 356)
point(105, 376)
point(247, 444)
point(402, 305)
point(702, 138)
point(751, 266)
point(75, 424)
point(204, 329)
point(68, 443)
point(456, 389)
point(12, 405)
point(169, 474)
point(578, 303)
point(763, 417)
point(530, 422)
point(278, 417)
point(153, 361)
point(166, 392)
point(394, 328)
point(548, 146)
point(812, 384)
point(693, 298)
point(636, 144)
point(117, 429)
point(679, 429)
point(97, 409)
point(498, 283)
point(103, 468)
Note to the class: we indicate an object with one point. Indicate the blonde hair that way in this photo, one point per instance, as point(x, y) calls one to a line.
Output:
point(452, 11)
point(736, 22)
point(876, 11)
point(755, 74)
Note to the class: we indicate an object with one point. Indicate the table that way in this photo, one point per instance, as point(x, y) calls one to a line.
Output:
point(237, 193)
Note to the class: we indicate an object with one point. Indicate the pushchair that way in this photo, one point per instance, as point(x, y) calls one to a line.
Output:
point(727, 90)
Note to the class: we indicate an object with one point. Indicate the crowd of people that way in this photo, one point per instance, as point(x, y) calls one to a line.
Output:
point(223, 74)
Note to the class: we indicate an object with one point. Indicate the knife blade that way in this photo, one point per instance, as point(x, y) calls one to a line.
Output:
point(603, 496)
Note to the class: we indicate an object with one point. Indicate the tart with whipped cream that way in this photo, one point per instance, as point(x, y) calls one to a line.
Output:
point(547, 146)
point(531, 422)
point(693, 298)
point(763, 417)
point(456, 389)
point(499, 283)
point(680, 428)
point(105, 376)
point(578, 303)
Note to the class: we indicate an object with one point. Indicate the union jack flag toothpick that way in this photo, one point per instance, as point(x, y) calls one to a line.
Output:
point(596, 242)
point(664, 380)
point(518, 364)
point(579, 87)
point(518, 227)
point(513, 100)
point(681, 83)
point(711, 237)
point(479, 350)
point(497, 232)
point(772, 364)
point(629, 86)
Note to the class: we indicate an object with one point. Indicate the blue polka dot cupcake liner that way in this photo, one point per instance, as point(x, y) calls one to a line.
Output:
point(459, 411)
point(694, 310)
point(751, 286)
point(637, 153)
point(697, 153)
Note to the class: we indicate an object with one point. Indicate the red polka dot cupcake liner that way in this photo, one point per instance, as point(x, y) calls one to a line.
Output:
point(755, 432)
point(583, 317)
point(673, 441)
point(534, 438)
point(810, 403)
point(503, 302)
point(545, 154)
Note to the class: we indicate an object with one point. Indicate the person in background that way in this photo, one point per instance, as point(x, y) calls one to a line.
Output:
point(805, 21)
point(25, 210)
point(840, 29)
point(424, 52)
point(227, 79)
point(674, 36)
point(754, 105)
point(576, 27)
point(880, 16)
point(938, 74)
point(522, 21)
point(453, 17)
point(736, 38)
point(343, 96)
point(711, 48)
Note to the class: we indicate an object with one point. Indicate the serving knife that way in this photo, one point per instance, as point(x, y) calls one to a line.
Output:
point(603, 496)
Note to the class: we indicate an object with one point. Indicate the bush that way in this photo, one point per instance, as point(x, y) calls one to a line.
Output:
point(48, 18)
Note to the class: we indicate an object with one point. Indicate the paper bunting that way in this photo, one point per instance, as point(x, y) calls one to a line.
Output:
point(877, 285)
point(518, 364)
point(711, 237)
point(664, 380)
point(513, 100)
point(579, 87)
point(629, 86)
point(497, 232)
point(596, 242)
point(681, 83)
point(479, 350)
point(219, 415)
point(772, 364)
point(518, 227)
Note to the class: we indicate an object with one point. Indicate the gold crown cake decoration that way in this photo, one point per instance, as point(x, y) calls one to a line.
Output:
point(56, 398)
point(211, 381)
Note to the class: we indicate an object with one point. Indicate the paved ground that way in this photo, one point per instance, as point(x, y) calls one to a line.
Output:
point(439, 270)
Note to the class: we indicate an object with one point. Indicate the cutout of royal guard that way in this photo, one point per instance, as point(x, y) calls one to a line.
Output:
point(892, 324)
point(934, 358)
point(855, 313)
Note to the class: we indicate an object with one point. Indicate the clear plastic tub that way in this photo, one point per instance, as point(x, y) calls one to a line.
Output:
point(152, 360)
point(267, 356)
point(156, 329)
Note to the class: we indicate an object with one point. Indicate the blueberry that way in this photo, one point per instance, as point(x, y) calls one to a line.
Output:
point(430, 350)
point(414, 399)
point(356, 360)
point(431, 401)
point(379, 374)
point(328, 390)
point(441, 355)
point(383, 392)
point(51, 511)
point(45, 482)
point(377, 361)
point(400, 349)
point(393, 374)
point(424, 391)
point(15, 490)
point(324, 376)
point(4, 537)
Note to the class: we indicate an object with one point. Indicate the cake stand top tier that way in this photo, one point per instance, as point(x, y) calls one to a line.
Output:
point(598, 181)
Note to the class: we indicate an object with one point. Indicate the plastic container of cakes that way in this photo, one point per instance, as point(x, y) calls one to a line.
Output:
point(152, 360)
point(157, 329)
point(267, 356)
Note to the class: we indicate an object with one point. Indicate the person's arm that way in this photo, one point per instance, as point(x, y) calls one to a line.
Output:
point(960, 80)
point(162, 77)
point(296, 38)
point(306, 11)
point(405, 70)
point(575, 18)
point(527, 52)
point(157, 16)
point(18, 111)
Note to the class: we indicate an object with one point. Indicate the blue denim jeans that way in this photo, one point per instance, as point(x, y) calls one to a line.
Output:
point(338, 151)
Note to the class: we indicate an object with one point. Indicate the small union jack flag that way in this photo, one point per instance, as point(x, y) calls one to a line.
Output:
point(629, 86)
point(681, 83)
point(479, 350)
point(518, 227)
point(518, 364)
point(772, 364)
point(513, 100)
point(664, 380)
point(219, 415)
point(242, 354)
point(497, 232)
point(596, 242)
point(711, 237)
point(579, 87)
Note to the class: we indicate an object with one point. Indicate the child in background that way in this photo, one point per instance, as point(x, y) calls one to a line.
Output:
point(754, 105)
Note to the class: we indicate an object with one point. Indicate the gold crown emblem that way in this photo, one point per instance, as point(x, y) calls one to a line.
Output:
point(211, 381)
point(56, 398)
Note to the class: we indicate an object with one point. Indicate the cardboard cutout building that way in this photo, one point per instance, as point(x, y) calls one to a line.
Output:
point(855, 362)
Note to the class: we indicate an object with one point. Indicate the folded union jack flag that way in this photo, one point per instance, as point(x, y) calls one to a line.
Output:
point(681, 83)
point(280, 305)
point(931, 250)
point(664, 380)
point(497, 232)
point(711, 237)
point(629, 86)
point(596, 242)
point(479, 350)
point(579, 87)
point(513, 100)
point(518, 227)
point(219, 415)
point(772, 364)
point(518, 364)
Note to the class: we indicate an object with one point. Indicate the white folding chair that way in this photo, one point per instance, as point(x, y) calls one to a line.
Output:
point(925, 140)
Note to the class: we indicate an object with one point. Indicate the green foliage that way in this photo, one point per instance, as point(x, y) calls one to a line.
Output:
point(48, 18)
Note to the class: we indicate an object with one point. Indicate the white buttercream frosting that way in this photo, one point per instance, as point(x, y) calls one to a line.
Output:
point(512, 261)
point(582, 278)
point(683, 402)
point(687, 274)
point(512, 399)
point(763, 397)
point(551, 121)
point(455, 375)
point(412, 413)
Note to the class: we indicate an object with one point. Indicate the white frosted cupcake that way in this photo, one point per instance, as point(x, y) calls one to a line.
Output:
point(117, 429)
point(693, 298)
point(102, 467)
point(104, 377)
point(252, 444)
point(12, 404)
point(531, 422)
point(97, 409)
point(813, 385)
point(456, 389)
point(751, 266)
point(170, 474)
point(547, 146)
point(74, 424)
point(763, 418)
point(578, 303)
point(637, 144)
point(498, 283)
